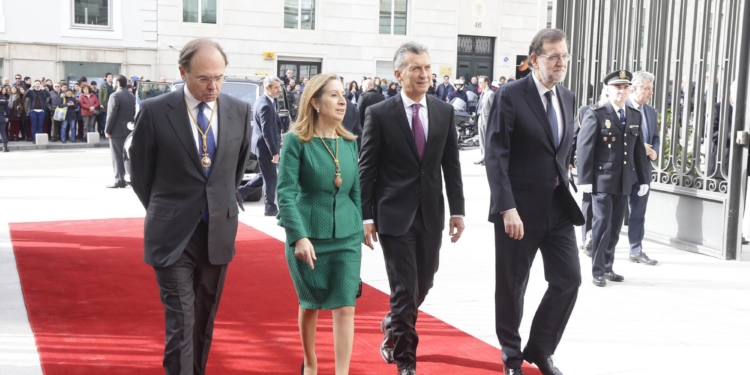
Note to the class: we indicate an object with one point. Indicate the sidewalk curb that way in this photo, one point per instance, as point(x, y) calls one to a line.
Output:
point(54, 146)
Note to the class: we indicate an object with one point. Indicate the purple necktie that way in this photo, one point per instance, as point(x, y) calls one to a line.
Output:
point(418, 130)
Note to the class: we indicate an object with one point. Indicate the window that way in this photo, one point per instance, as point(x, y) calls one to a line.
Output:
point(299, 14)
point(92, 13)
point(393, 17)
point(199, 11)
point(550, 5)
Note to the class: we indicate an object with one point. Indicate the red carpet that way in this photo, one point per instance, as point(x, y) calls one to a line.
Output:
point(94, 309)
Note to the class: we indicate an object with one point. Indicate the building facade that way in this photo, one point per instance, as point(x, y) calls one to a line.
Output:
point(353, 38)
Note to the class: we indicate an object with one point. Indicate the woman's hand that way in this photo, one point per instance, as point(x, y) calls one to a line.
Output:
point(303, 250)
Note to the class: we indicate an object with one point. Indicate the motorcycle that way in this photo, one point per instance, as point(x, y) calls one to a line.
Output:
point(466, 125)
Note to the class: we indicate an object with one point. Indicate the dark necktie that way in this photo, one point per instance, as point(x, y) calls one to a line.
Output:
point(552, 117)
point(479, 106)
point(644, 126)
point(418, 130)
point(622, 117)
point(211, 145)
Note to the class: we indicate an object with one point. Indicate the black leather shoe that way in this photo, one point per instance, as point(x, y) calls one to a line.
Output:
point(599, 281)
point(116, 186)
point(745, 241)
point(642, 258)
point(512, 371)
point(480, 162)
point(407, 371)
point(238, 196)
point(611, 276)
point(271, 213)
point(543, 362)
point(387, 346)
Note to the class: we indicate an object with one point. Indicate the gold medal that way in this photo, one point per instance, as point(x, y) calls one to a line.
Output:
point(614, 139)
point(607, 124)
point(605, 139)
point(206, 161)
point(337, 180)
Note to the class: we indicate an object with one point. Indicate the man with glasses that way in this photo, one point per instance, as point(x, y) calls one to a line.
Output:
point(531, 205)
point(188, 155)
point(19, 80)
point(611, 160)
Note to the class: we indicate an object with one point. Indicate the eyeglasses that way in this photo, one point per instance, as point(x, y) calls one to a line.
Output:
point(555, 58)
point(18, 78)
point(206, 80)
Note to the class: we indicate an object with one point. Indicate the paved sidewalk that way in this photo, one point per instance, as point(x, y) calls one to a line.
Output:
point(663, 320)
point(29, 146)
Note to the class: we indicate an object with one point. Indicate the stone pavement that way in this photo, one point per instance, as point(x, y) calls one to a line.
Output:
point(663, 320)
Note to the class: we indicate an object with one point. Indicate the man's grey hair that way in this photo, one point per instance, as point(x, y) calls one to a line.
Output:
point(367, 85)
point(268, 81)
point(399, 58)
point(545, 36)
point(195, 45)
point(640, 78)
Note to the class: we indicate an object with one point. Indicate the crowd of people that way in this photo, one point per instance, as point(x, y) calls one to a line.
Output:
point(67, 111)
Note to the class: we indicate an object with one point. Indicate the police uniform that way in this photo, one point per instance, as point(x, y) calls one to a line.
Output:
point(610, 149)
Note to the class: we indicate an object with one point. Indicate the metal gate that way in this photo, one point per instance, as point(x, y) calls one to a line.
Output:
point(696, 49)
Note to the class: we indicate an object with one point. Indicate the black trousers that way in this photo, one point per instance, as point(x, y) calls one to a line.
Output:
point(609, 211)
point(411, 261)
point(268, 179)
point(190, 290)
point(587, 214)
point(117, 146)
point(562, 270)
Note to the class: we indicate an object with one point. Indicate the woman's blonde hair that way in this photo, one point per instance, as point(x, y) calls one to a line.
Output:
point(304, 128)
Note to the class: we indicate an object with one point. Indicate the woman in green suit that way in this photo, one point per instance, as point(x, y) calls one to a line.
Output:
point(320, 209)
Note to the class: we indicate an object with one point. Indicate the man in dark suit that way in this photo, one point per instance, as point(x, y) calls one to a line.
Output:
point(351, 121)
point(121, 112)
point(641, 91)
point(371, 96)
point(265, 145)
point(529, 135)
point(610, 150)
point(408, 142)
point(188, 155)
point(444, 89)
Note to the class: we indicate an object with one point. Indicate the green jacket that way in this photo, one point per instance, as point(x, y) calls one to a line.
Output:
point(310, 206)
point(104, 92)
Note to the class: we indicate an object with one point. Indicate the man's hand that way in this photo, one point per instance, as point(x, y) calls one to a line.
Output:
point(570, 167)
point(275, 159)
point(643, 190)
point(108, 135)
point(371, 234)
point(650, 152)
point(513, 224)
point(303, 250)
point(586, 188)
point(456, 228)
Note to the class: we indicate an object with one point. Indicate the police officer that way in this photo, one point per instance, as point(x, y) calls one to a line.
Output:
point(610, 147)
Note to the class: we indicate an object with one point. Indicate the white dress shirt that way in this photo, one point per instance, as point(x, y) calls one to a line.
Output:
point(555, 103)
point(410, 112)
point(192, 104)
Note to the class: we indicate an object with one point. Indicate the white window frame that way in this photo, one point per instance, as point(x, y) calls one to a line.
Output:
point(74, 25)
point(393, 18)
point(299, 16)
point(200, 13)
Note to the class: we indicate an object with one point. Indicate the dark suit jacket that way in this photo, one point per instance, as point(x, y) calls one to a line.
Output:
point(121, 112)
point(653, 133)
point(367, 99)
point(523, 164)
point(395, 182)
point(607, 156)
point(351, 119)
point(581, 113)
point(266, 134)
point(171, 184)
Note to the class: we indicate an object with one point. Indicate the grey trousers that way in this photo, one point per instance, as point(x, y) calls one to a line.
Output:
point(482, 128)
point(190, 290)
point(117, 145)
point(89, 124)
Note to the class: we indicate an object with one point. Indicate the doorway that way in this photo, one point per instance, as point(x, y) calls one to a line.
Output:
point(301, 69)
point(476, 55)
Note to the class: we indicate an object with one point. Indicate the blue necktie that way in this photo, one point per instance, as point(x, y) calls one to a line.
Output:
point(211, 145)
point(622, 117)
point(552, 117)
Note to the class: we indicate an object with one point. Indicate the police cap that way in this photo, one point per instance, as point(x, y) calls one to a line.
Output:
point(618, 77)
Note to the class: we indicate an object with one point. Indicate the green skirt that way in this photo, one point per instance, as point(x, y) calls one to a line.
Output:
point(334, 281)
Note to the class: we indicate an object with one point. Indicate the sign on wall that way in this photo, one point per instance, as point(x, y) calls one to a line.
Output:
point(446, 71)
